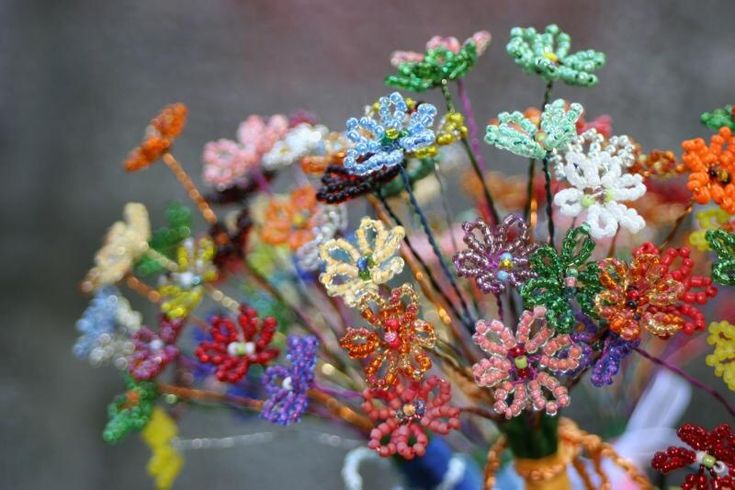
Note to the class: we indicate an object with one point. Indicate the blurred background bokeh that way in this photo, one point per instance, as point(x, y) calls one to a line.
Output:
point(80, 79)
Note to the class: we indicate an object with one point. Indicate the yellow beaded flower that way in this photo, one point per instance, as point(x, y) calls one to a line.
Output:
point(708, 219)
point(165, 463)
point(183, 289)
point(351, 271)
point(126, 242)
point(722, 336)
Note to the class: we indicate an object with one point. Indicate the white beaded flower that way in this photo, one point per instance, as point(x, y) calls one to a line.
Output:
point(296, 144)
point(598, 184)
point(592, 144)
point(351, 271)
point(330, 220)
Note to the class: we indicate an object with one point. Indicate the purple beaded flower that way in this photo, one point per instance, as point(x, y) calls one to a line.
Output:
point(613, 349)
point(498, 256)
point(287, 387)
point(154, 351)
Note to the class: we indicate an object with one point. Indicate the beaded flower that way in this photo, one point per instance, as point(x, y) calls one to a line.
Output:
point(339, 185)
point(547, 54)
point(159, 137)
point(291, 221)
point(130, 411)
point(106, 327)
point(722, 337)
point(405, 413)
point(182, 290)
point(521, 136)
point(154, 350)
point(593, 145)
point(166, 239)
point(723, 244)
point(226, 162)
point(351, 271)
point(329, 221)
point(720, 117)
point(564, 282)
point(330, 151)
point(398, 132)
point(287, 387)
point(652, 294)
point(708, 219)
point(235, 347)
point(126, 242)
point(298, 142)
point(521, 364)
point(496, 257)
point(397, 342)
point(712, 168)
point(613, 349)
point(445, 59)
point(258, 134)
point(166, 462)
point(713, 452)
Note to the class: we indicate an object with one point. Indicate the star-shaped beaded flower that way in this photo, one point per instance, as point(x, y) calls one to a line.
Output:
point(398, 132)
point(235, 347)
point(406, 412)
point(287, 386)
point(712, 452)
point(547, 54)
point(722, 337)
point(130, 411)
point(398, 341)
point(444, 60)
point(183, 289)
point(291, 220)
point(723, 244)
point(154, 350)
point(712, 168)
point(496, 257)
point(564, 281)
point(351, 271)
point(520, 365)
point(520, 136)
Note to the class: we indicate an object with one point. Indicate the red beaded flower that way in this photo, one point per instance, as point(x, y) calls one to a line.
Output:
point(233, 350)
point(713, 451)
point(400, 347)
point(405, 413)
point(653, 293)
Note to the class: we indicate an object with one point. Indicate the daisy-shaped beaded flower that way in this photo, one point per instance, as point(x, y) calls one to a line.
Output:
point(712, 169)
point(722, 337)
point(398, 132)
point(547, 54)
point(521, 365)
point(592, 144)
point(405, 413)
point(398, 341)
point(287, 386)
point(154, 350)
point(351, 271)
point(496, 257)
point(183, 289)
point(234, 347)
point(329, 222)
point(291, 220)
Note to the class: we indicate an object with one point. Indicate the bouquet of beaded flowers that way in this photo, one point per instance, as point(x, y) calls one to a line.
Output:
point(428, 330)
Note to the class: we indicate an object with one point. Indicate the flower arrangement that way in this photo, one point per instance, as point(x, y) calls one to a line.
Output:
point(419, 329)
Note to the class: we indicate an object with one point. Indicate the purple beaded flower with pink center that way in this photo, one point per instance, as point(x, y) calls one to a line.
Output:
point(496, 256)
point(154, 351)
point(288, 387)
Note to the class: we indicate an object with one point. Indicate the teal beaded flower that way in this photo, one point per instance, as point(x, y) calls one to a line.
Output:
point(723, 243)
point(547, 54)
point(564, 282)
point(519, 135)
point(167, 239)
point(130, 411)
point(722, 116)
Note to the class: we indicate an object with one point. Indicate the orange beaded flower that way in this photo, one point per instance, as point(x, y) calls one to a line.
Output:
point(159, 137)
point(712, 168)
point(401, 347)
point(291, 221)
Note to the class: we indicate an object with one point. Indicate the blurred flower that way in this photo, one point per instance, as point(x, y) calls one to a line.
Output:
point(166, 239)
point(708, 219)
point(130, 411)
point(159, 137)
point(339, 185)
point(183, 289)
point(331, 151)
point(226, 162)
point(480, 39)
point(329, 221)
point(720, 117)
point(258, 135)
point(295, 144)
point(291, 221)
point(722, 337)
point(154, 351)
point(610, 352)
point(166, 462)
point(712, 168)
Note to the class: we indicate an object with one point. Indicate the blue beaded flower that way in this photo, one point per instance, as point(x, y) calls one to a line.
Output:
point(399, 133)
point(287, 387)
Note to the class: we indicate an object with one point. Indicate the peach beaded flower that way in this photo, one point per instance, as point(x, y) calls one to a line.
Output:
point(291, 221)
point(520, 365)
point(405, 413)
point(398, 341)
point(712, 168)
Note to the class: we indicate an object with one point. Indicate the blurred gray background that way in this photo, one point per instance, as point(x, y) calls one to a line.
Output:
point(80, 79)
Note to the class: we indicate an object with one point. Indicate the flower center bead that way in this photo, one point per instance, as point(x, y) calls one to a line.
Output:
point(719, 174)
point(411, 411)
point(570, 280)
point(551, 56)
point(520, 361)
point(241, 348)
point(587, 200)
point(300, 219)
point(287, 383)
point(363, 267)
point(156, 345)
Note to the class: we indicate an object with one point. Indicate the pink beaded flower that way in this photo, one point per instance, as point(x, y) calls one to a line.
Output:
point(481, 40)
point(154, 351)
point(406, 412)
point(520, 365)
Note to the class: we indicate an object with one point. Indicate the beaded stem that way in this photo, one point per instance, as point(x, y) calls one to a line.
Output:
point(677, 224)
point(530, 198)
point(471, 123)
point(549, 200)
point(190, 188)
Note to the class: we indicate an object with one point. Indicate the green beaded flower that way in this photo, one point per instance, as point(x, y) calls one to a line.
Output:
point(564, 282)
point(130, 411)
point(723, 243)
point(519, 135)
point(722, 116)
point(166, 240)
point(547, 54)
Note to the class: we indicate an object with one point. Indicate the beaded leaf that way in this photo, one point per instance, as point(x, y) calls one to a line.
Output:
point(718, 118)
point(707, 220)
point(722, 337)
point(166, 462)
point(723, 244)
point(130, 411)
point(166, 240)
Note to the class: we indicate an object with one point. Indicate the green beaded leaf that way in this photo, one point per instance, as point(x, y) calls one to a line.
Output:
point(722, 116)
point(520, 136)
point(416, 170)
point(550, 287)
point(547, 54)
point(130, 411)
point(723, 244)
point(439, 64)
point(167, 239)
